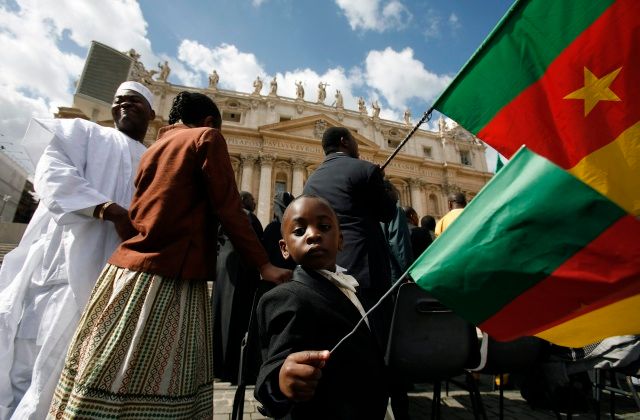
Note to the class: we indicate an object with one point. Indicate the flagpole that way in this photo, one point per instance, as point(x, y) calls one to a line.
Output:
point(425, 117)
point(370, 310)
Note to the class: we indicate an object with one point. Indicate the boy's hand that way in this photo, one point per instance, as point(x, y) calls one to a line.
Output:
point(300, 373)
point(274, 274)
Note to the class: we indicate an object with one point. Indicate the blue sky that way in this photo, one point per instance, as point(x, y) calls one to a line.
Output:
point(399, 52)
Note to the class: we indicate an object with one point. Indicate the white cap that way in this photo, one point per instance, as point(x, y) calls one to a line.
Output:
point(136, 87)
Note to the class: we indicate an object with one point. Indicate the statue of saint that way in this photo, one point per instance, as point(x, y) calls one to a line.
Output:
point(299, 90)
point(376, 109)
point(362, 107)
point(407, 116)
point(322, 93)
point(442, 124)
point(273, 87)
point(138, 72)
point(213, 80)
point(339, 99)
point(257, 86)
point(133, 54)
point(164, 71)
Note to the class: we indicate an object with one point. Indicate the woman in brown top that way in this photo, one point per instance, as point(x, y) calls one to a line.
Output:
point(143, 346)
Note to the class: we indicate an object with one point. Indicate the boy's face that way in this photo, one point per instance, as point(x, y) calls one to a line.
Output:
point(311, 234)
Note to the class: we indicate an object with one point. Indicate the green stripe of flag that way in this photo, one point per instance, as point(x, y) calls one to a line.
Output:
point(503, 66)
point(529, 219)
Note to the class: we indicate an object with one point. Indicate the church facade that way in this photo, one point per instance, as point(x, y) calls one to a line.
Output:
point(275, 143)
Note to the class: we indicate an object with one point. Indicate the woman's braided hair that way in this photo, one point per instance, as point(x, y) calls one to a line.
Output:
point(193, 108)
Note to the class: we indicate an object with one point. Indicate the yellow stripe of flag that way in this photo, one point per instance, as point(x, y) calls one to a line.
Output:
point(614, 170)
point(618, 318)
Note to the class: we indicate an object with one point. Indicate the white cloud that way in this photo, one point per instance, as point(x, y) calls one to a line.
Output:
point(433, 22)
point(257, 3)
point(391, 77)
point(38, 75)
point(237, 70)
point(375, 15)
point(399, 77)
point(454, 22)
point(336, 78)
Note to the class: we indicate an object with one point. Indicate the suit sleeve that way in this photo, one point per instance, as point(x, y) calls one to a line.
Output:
point(224, 196)
point(382, 205)
point(282, 325)
point(399, 239)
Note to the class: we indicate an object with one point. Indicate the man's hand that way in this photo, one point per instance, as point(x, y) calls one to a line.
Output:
point(300, 373)
point(119, 216)
point(274, 274)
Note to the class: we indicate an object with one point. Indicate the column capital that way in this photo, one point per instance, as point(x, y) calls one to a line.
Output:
point(298, 163)
point(267, 159)
point(247, 159)
point(433, 188)
point(416, 183)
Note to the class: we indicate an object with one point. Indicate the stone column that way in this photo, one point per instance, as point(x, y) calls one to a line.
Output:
point(299, 167)
point(264, 192)
point(415, 186)
point(248, 161)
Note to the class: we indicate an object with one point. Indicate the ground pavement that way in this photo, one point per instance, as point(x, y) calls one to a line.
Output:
point(455, 406)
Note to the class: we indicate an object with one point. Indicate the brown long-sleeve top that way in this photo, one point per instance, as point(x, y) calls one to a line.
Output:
point(185, 186)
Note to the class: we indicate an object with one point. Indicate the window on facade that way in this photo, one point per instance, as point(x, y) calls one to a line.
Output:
point(392, 143)
point(281, 186)
point(285, 118)
point(231, 116)
point(427, 152)
point(465, 157)
point(433, 205)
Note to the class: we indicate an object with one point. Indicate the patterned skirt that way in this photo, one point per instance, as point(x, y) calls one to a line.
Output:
point(142, 350)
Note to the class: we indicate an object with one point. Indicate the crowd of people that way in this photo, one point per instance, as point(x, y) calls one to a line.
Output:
point(104, 305)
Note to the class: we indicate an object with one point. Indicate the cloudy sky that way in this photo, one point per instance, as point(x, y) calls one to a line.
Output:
point(399, 52)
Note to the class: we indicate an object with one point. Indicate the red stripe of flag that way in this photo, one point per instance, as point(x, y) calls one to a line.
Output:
point(557, 128)
point(581, 281)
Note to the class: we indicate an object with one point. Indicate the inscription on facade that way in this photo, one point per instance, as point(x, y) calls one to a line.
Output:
point(235, 141)
point(296, 147)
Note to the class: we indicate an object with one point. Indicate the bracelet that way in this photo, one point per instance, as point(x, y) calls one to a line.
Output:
point(103, 208)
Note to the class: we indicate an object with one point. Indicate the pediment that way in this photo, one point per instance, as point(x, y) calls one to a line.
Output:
point(459, 134)
point(310, 128)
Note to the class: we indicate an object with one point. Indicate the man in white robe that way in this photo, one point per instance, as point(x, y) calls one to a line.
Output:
point(84, 179)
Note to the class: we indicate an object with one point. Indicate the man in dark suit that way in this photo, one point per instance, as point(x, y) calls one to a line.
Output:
point(420, 236)
point(355, 190)
point(249, 205)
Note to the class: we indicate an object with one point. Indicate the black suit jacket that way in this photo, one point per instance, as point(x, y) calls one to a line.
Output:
point(420, 240)
point(355, 190)
point(311, 313)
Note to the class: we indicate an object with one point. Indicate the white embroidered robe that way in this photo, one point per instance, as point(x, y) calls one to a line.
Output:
point(47, 280)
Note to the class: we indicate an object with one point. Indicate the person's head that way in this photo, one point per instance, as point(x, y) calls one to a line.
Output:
point(311, 233)
point(391, 190)
point(428, 222)
point(339, 139)
point(281, 201)
point(248, 202)
point(411, 214)
point(457, 201)
point(132, 109)
point(195, 110)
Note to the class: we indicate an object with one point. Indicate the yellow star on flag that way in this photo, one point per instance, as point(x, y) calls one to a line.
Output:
point(595, 90)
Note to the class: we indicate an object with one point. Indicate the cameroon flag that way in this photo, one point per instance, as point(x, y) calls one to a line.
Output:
point(551, 246)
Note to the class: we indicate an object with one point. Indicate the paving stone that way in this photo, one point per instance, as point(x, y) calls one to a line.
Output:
point(456, 406)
